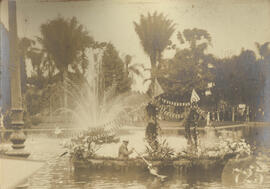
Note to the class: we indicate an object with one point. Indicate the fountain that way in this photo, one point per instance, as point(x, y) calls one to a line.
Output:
point(94, 107)
point(96, 112)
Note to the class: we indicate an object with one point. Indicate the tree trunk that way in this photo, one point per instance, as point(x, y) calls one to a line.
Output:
point(159, 57)
point(208, 119)
point(64, 80)
point(153, 77)
point(247, 114)
point(233, 114)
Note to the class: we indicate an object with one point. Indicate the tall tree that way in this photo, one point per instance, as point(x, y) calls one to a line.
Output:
point(154, 31)
point(65, 41)
point(189, 68)
point(239, 79)
point(113, 70)
point(264, 51)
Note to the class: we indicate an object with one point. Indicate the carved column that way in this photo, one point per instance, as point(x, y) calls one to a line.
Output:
point(17, 137)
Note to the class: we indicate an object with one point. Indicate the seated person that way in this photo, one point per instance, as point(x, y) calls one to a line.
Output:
point(123, 152)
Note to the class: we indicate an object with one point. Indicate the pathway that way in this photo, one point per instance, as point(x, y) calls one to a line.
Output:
point(14, 172)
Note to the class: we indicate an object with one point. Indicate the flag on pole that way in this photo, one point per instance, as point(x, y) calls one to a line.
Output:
point(194, 96)
point(207, 93)
point(157, 89)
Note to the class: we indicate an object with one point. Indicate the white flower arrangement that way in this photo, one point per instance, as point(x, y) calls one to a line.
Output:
point(222, 147)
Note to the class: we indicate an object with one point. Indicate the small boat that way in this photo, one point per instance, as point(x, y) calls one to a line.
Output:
point(181, 164)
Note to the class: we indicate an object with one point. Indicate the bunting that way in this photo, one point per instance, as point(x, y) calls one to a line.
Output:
point(125, 118)
point(201, 112)
point(173, 103)
point(171, 114)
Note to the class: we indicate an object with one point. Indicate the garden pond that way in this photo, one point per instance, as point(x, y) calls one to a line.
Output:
point(59, 172)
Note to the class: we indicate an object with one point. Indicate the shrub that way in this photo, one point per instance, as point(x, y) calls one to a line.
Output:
point(161, 152)
point(86, 144)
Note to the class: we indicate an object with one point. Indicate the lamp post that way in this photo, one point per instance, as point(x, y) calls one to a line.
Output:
point(17, 137)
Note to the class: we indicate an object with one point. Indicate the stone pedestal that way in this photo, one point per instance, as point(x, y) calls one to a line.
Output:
point(17, 137)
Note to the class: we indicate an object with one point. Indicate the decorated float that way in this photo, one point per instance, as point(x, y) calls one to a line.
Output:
point(164, 158)
point(159, 157)
point(197, 157)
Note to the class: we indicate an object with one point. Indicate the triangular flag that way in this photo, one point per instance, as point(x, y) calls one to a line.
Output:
point(194, 96)
point(157, 89)
point(210, 85)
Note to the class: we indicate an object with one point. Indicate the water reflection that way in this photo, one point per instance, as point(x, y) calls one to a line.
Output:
point(59, 173)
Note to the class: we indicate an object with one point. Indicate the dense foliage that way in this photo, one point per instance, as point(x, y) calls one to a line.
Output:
point(188, 69)
point(86, 144)
point(113, 70)
point(162, 151)
point(61, 60)
point(237, 79)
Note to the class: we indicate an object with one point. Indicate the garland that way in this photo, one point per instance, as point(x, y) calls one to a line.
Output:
point(172, 115)
point(163, 111)
point(116, 124)
point(173, 103)
point(200, 111)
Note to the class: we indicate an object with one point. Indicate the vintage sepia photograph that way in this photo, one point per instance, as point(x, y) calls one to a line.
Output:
point(134, 94)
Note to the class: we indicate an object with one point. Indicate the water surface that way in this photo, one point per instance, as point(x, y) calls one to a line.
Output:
point(59, 173)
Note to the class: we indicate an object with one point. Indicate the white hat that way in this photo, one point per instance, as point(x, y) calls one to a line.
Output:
point(125, 140)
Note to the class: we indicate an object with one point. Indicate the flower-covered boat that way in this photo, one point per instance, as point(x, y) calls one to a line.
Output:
point(83, 156)
point(180, 164)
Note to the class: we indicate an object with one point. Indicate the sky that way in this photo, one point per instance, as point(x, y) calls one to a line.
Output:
point(232, 24)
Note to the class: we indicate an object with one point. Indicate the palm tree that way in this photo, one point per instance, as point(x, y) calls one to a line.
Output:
point(263, 50)
point(65, 42)
point(154, 32)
